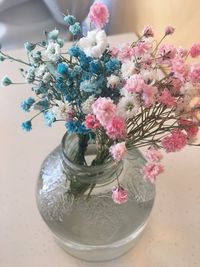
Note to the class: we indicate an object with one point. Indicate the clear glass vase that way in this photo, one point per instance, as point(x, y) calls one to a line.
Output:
point(91, 226)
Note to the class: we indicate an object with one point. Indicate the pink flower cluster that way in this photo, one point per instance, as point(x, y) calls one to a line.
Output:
point(118, 151)
point(91, 122)
point(195, 50)
point(167, 99)
point(119, 194)
point(124, 53)
point(174, 141)
point(98, 15)
point(105, 111)
point(152, 168)
point(190, 127)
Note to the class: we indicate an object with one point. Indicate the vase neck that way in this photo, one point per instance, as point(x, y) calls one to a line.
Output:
point(98, 174)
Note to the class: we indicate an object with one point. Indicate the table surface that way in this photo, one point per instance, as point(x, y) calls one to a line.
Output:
point(172, 237)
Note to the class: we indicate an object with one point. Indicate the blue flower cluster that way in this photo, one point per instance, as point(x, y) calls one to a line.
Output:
point(27, 104)
point(76, 127)
point(26, 126)
point(49, 118)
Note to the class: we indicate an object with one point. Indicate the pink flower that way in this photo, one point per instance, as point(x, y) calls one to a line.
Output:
point(104, 109)
point(178, 67)
point(194, 73)
point(175, 141)
point(166, 53)
point(142, 47)
point(190, 127)
point(119, 194)
point(169, 30)
point(148, 32)
point(176, 85)
point(125, 53)
point(183, 52)
point(195, 50)
point(167, 99)
point(91, 122)
point(153, 154)
point(114, 51)
point(118, 150)
point(98, 15)
point(135, 84)
point(116, 128)
point(149, 95)
point(151, 171)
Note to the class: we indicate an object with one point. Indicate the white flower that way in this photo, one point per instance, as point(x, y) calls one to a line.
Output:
point(46, 78)
point(53, 51)
point(94, 44)
point(62, 110)
point(87, 105)
point(41, 70)
point(128, 69)
point(189, 89)
point(128, 106)
point(149, 75)
point(113, 81)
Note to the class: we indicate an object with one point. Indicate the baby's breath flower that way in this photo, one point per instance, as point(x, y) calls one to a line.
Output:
point(75, 29)
point(53, 51)
point(46, 78)
point(6, 81)
point(94, 44)
point(87, 105)
point(62, 110)
point(29, 46)
point(2, 58)
point(113, 81)
point(53, 34)
point(128, 106)
point(70, 20)
point(26, 126)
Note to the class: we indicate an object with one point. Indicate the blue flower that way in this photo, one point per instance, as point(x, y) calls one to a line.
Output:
point(26, 126)
point(75, 51)
point(2, 58)
point(30, 77)
point(76, 71)
point(26, 104)
point(6, 81)
point(88, 86)
point(42, 105)
point(70, 20)
point(85, 61)
point(49, 118)
point(76, 127)
point(29, 46)
point(62, 69)
point(95, 67)
point(53, 34)
point(61, 42)
point(113, 65)
point(75, 29)
point(40, 88)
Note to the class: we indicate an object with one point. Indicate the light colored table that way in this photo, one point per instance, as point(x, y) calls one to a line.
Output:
point(171, 239)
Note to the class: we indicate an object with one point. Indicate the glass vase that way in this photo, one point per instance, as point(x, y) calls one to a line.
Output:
point(90, 225)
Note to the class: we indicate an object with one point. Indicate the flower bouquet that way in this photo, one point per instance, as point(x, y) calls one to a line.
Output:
point(139, 94)
point(115, 99)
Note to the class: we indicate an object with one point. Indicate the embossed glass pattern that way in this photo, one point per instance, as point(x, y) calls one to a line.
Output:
point(94, 228)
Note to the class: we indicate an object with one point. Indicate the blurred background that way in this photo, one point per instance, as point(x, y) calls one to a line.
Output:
point(25, 20)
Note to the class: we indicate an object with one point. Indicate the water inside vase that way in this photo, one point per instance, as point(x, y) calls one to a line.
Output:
point(98, 221)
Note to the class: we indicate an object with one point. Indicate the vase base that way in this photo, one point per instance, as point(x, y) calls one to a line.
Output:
point(103, 252)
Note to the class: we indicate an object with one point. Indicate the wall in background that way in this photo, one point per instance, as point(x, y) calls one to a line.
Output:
point(132, 15)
